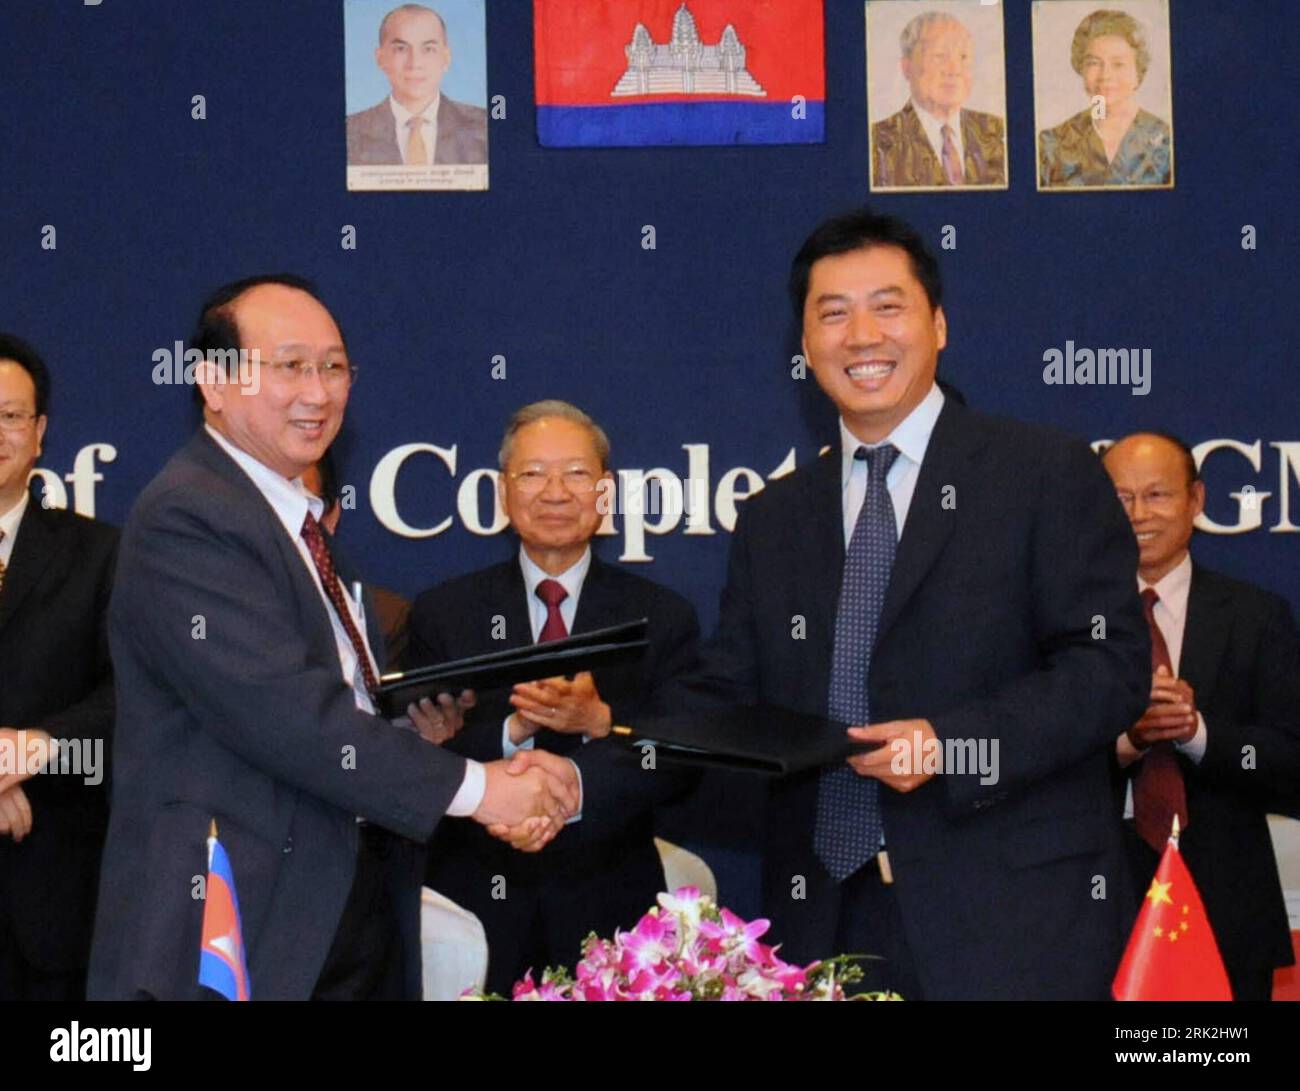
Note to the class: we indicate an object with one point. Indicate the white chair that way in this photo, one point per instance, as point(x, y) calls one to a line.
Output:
point(453, 947)
point(683, 868)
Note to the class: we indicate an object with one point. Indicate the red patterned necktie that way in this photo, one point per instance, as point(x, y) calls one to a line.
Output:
point(320, 554)
point(951, 162)
point(1158, 790)
point(2, 565)
point(552, 593)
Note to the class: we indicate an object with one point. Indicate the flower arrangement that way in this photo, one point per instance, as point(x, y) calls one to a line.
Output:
point(687, 948)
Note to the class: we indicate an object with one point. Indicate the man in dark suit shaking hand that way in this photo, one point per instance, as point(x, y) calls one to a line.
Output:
point(245, 673)
point(960, 585)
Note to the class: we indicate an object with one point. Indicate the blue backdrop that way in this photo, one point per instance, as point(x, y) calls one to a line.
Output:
point(686, 344)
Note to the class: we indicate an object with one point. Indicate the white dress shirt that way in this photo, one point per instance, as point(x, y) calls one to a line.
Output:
point(1171, 619)
point(428, 127)
point(911, 437)
point(934, 133)
point(571, 579)
point(291, 502)
point(9, 527)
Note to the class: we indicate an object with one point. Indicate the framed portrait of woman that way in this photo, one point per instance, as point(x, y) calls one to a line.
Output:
point(1103, 101)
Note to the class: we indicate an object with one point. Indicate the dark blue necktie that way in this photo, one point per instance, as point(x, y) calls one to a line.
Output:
point(849, 828)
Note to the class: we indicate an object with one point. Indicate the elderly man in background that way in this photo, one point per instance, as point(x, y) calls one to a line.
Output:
point(602, 871)
point(1221, 733)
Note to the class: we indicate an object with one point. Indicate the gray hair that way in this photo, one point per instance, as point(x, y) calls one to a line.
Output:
point(411, 9)
point(911, 36)
point(1121, 24)
point(552, 407)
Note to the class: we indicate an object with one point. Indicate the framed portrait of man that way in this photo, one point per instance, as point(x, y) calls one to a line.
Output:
point(416, 91)
point(1103, 102)
point(936, 95)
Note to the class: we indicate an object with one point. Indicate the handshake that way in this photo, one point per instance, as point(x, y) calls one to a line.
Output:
point(529, 798)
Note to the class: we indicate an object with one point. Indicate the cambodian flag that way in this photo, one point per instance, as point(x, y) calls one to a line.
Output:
point(653, 72)
point(223, 965)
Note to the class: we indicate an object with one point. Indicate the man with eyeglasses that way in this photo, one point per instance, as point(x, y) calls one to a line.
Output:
point(246, 676)
point(56, 572)
point(1220, 738)
point(602, 871)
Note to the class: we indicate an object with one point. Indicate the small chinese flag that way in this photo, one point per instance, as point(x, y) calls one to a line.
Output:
point(1172, 954)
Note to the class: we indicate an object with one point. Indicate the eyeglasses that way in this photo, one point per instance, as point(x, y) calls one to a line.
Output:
point(531, 480)
point(334, 374)
point(1152, 498)
point(17, 423)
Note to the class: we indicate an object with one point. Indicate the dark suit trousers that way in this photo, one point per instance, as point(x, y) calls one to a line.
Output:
point(20, 980)
point(364, 961)
point(870, 922)
point(1249, 982)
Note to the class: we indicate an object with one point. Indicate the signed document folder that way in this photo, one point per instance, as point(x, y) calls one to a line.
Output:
point(757, 738)
point(583, 652)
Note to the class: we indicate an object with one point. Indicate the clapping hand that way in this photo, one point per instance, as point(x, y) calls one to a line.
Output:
point(569, 707)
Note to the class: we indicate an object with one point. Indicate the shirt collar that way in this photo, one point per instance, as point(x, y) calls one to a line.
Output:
point(290, 500)
point(403, 115)
point(1174, 586)
point(571, 579)
point(911, 435)
point(9, 520)
point(934, 129)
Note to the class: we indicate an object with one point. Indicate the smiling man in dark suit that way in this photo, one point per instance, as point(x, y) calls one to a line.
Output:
point(245, 680)
point(1220, 737)
point(417, 125)
point(952, 580)
point(56, 571)
point(602, 872)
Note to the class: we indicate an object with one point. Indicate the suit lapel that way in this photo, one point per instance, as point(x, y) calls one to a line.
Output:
point(1205, 635)
point(445, 150)
point(596, 606)
point(970, 138)
point(205, 450)
point(823, 533)
point(35, 546)
point(505, 593)
point(929, 522)
point(915, 143)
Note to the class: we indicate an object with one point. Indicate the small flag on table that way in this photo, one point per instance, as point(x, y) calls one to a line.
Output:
point(1172, 954)
point(223, 965)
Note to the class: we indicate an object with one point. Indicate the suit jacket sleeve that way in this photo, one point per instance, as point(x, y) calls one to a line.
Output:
point(1271, 765)
point(251, 682)
point(92, 716)
point(728, 667)
point(427, 644)
point(616, 785)
point(1094, 650)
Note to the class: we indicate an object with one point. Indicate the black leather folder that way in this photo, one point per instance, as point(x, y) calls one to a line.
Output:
point(755, 738)
point(584, 652)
